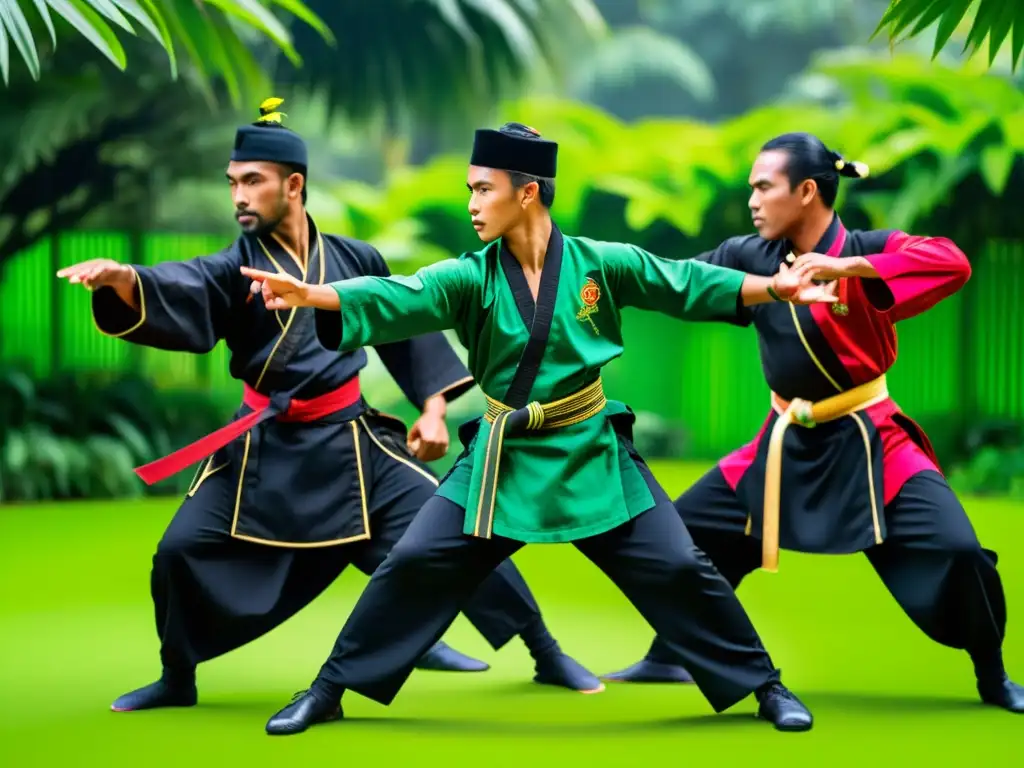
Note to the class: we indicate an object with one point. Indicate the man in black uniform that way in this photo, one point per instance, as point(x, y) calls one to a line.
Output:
point(308, 478)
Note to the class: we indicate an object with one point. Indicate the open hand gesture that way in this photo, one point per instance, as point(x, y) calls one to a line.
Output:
point(280, 290)
point(97, 273)
point(823, 267)
point(797, 286)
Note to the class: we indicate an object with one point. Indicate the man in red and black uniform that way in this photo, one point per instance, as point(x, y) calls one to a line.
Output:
point(837, 467)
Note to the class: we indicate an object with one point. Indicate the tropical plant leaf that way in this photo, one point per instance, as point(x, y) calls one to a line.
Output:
point(114, 476)
point(951, 19)
point(5, 55)
point(144, 10)
point(995, 20)
point(203, 37)
point(1001, 26)
point(50, 460)
point(929, 17)
point(91, 26)
point(901, 14)
point(301, 12)
point(108, 9)
point(455, 55)
point(988, 11)
point(147, 20)
point(118, 423)
point(1017, 45)
point(259, 17)
point(59, 112)
point(132, 437)
point(44, 13)
point(17, 392)
point(996, 164)
point(15, 452)
point(14, 24)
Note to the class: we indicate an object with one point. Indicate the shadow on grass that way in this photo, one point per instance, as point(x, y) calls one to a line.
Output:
point(890, 703)
point(829, 707)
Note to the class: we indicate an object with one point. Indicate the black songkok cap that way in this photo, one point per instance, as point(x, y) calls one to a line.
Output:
point(522, 150)
point(269, 141)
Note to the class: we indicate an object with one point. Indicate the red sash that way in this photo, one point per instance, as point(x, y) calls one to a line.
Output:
point(263, 408)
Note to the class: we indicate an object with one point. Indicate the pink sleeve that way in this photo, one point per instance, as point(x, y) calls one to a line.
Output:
point(918, 272)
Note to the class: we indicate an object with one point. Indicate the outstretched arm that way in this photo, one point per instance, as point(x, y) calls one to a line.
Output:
point(689, 289)
point(376, 310)
point(426, 368)
point(175, 305)
point(730, 254)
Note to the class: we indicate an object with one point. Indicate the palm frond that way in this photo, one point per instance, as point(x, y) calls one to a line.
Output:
point(61, 111)
point(996, 22)
point(429, 59)
point(207, 31)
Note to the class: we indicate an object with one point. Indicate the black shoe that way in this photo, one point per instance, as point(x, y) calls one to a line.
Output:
point(158, 694)
point(647, 671)
point(443, 658)
point(564, 671)
point(307, 708)
point(780, 706)
point(1004, 693)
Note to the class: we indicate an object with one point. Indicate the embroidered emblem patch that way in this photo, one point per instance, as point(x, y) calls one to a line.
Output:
point(590, 293)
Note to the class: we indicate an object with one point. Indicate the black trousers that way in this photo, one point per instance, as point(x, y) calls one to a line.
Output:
point(931, 560)
point(213, 593)
point(434, 569)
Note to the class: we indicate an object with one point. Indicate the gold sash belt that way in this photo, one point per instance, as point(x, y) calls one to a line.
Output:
point(577, 407)
point(807, 414)
point(535, 417)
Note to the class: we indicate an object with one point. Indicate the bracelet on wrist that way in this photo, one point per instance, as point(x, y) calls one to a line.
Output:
point(773, 294)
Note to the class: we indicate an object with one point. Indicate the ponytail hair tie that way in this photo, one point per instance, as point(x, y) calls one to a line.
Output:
point(853, 170)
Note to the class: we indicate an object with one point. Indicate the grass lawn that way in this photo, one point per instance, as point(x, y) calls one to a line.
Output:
point(76, 631)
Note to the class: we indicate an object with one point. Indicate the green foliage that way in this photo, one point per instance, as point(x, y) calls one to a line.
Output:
point(89, 146)
point(637, 53)
point(991, 472)
point(996, 22)
point(745, 49)
point(924, 130)
point(411, 62)
point(993, 463)
point(655, 437)
point(203, 33)
point(757, 15)
point(79, 435)
point(85, 138)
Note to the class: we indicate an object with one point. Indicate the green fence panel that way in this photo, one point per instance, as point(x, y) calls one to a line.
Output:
point(703, 377)
point(925, 379)
point(724, 398)
point(996, 352)
point(26, 309)
point(81, 344)
point(174, 369)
